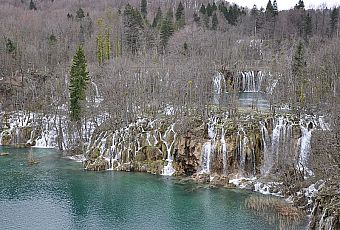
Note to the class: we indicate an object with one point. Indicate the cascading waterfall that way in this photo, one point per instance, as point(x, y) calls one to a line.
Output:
point(323, 125)
point(224, 152)
point(267, 162)
point(168, 170)
point(281, 141)
point(243, 142)
point(48, 135)
point(219, 86)
point(206, 157)
point(98, 98)
point(250, 81)
point(208, 147)
point(305, 150)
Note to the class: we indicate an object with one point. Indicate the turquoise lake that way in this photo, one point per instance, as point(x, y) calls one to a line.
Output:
point(58, 194)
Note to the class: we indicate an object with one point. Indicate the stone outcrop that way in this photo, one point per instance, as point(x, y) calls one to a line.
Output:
point(326, 210)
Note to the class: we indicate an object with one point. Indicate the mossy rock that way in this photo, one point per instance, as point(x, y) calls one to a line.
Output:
point(6, 138)
point(161, 147)
point(94, 154)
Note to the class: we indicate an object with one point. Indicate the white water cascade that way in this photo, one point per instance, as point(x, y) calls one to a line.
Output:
point(242, 148)
point(224, 152)
point(208, 147)
point(281, 141)
point(1, 134)
point(250, 82)
point(168, 169)
point(305, 147)
point(98, 98)
point(219, 87)
point(266, 154)
point(206, 157)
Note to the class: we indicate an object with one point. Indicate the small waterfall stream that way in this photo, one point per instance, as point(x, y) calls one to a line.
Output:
point(250, 81)
point(206, 157)
point(219, 87)
point(305, 147)
point(98, 99)
point(168, 169)
point(267, 162)
point(208, 147)
point(224, 152)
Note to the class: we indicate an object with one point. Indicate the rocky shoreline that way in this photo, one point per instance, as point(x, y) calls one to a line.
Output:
point(258, 152)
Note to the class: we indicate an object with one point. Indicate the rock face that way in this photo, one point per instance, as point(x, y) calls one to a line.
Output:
point(245, 147)
point(326, 211)
point(98, 164)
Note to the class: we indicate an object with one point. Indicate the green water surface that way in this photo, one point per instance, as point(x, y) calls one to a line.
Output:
point(58, 194)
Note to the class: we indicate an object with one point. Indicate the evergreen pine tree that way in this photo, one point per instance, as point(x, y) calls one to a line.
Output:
point(80, 14)
point(32, 5)
point(133, 26)
point(79, 80)
point(196, 18)
point(214, 22)
point(269, 9)
point(221, 7)
point(275, 8)
point(144, 8)
point(180, 17)
point(10, 46)
point(300, 5)
point(202, 9)
point(52, 40)
point(308, 27)
point(334, 20)
point(298, 72)
point(214, 6)
point(167, 29)
point(209, 10)
point(232, 14)
point(158, 18)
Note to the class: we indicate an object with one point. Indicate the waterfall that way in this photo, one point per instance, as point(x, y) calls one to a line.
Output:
point(98, 98)
point(205, 157)
point(224, 152)
point(219, 86)
point(281, 143)
point(48, 135)
point(168, 170)
point(260, 78)
point(211, 127)
point(271, 87)
point(305, 142)
point(323, 125)
point(208, 147)
point(243, 142)
point(266, 165)
point(249, 81)
point(1, 138)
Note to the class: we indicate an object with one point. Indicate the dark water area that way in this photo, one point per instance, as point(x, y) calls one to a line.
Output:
point(57, 194)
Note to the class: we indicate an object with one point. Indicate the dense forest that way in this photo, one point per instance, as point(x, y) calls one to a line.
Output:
point(114, 61)
point(146, 55)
